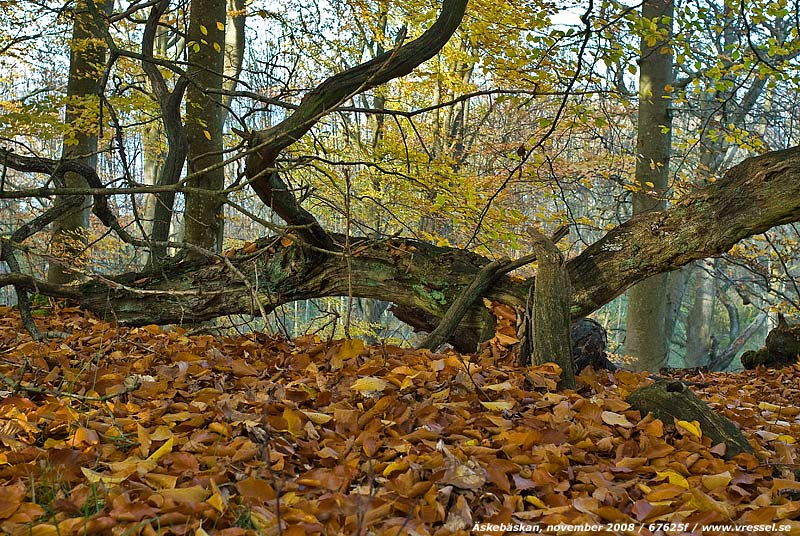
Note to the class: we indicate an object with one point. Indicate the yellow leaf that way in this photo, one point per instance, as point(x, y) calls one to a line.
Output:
point(350, 348)
point(132, 465)
point(787, 439)
point(200, 532)
point(161, 433)
point(160, 482)
point(674, 478)
point(316, 417)
point(219, 428)
point(536, 501)
point(501, 405)
point(193, 494)
point(216, 46)
point(44, 529)
point(705, 503)
point(400, 465)
point(505, 386)
point(369, 384)
point(220, 26)
point(144, 439)
point(691, 427)
point(94, 477)
point(207, 134)
point(720, 480)
point(216, 500)
point(294, 424)
point(203, 30)
point(163, 450)
point(615, 419)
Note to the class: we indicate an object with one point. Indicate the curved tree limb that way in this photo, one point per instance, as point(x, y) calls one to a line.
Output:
point(267, 144)
point(424, 280)
point(177, 143)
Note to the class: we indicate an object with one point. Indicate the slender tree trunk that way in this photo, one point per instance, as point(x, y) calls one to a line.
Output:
point(203, 124)
point(701, 316)
point(647, 301)
point(676, 289)
point(234, 50)
point(154, 153)
point(86, 65)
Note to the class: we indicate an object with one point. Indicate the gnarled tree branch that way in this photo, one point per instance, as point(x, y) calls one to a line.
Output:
point(424, 280)
point(267, 144)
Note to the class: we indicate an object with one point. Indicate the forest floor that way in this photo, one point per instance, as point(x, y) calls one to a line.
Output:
point(148, 431)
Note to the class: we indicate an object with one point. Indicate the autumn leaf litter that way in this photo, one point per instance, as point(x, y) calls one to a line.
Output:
point(146, 431)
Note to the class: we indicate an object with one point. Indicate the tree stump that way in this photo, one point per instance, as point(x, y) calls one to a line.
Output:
point(550, 317)
point(589, 342)
point(669, 400)
point(781, 350)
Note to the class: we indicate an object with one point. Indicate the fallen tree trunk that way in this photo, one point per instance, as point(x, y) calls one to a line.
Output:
point(671, 401)
point(422, 280)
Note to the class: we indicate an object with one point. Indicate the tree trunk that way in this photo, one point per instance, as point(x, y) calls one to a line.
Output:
point(701, 316)
point(203, 125)
point(722, 361)
point(234, 51)
point(676, 289)
point(87, 60)
point(153, 156)
point(423, 279)
point(647, 301)
point(671, 401)
point(169, 101)
point(550, 337)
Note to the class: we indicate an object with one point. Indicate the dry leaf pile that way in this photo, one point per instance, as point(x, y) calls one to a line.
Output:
point(144, 431)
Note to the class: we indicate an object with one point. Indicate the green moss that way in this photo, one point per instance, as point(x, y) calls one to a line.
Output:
point(430, 294)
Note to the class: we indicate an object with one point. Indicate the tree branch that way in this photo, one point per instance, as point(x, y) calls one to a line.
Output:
point(424, 280)
point(267, 144)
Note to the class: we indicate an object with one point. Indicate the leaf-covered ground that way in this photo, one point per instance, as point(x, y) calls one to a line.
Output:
point(144, 431)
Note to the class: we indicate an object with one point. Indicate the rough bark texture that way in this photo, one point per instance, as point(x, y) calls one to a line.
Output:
point(670, 401)
point(423, 280)
point(169, 102)
point(462, 304)
point(646, 335)
point(203, 124)
point(782, 348)
point(550, 310)
point(87, 57)
point(699, 329)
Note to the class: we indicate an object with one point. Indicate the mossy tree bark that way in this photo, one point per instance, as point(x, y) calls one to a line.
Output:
point(670, 401)
point(87, 59)
point(550, 336)
point(423, 280)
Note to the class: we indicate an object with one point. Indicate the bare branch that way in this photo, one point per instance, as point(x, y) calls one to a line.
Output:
point(324, 99)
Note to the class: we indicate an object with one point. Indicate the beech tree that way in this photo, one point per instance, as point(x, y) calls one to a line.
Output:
point(83, 104)
point(647, 301)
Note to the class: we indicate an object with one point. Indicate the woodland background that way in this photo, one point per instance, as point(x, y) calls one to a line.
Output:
point(530, 114)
